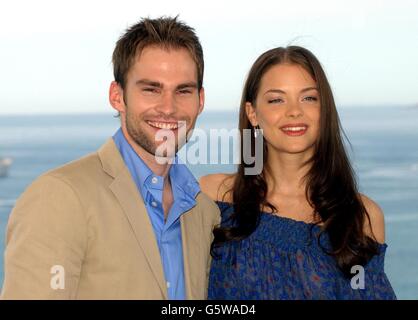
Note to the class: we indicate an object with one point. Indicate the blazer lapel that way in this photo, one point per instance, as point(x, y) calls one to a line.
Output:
point(125, 190)
point(192, 249)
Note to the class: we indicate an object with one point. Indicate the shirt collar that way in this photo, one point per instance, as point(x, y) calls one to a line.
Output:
point(183, 180)
point(184, 184)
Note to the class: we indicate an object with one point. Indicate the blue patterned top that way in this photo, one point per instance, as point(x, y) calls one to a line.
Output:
point(280, 260)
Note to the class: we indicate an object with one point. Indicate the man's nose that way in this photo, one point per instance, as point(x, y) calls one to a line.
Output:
point(167, 105)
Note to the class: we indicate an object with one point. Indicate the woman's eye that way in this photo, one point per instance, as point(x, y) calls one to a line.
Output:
point(311, 98)
point(277, 100)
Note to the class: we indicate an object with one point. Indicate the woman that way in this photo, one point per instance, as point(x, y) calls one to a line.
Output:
point(300, 229)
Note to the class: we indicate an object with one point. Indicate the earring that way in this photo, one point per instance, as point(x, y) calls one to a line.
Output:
point(256, 128)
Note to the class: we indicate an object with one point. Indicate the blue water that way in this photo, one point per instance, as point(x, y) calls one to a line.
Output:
point(384, 153)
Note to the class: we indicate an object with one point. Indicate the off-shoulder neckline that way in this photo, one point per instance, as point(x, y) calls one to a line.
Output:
point(292, 221)
point(275, 215)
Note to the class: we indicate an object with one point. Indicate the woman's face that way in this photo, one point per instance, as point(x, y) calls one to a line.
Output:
point(287, 109)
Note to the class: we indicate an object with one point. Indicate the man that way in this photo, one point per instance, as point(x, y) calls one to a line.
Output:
point(121, 223)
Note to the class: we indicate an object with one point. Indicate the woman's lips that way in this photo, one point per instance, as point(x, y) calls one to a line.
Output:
point(294, 130)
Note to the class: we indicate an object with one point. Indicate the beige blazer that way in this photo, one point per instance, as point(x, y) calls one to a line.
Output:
point(88, 220)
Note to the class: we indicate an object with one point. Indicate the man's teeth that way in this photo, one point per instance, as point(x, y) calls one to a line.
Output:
point(163, 125)
point(294, 128)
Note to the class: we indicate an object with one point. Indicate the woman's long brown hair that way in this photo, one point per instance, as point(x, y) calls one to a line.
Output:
point(330, 183)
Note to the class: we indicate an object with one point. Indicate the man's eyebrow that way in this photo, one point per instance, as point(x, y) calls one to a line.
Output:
point(157, 84)
point(149, 83)
point(187, 85)
point(284, 92)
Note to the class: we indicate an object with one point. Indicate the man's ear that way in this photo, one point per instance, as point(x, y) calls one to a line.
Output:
point(116, 97)
point(201, 99)
point(251, 114)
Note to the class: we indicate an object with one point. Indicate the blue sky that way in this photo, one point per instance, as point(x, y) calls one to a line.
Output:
point(55, 56)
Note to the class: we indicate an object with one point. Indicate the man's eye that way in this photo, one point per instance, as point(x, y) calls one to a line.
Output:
point(152, 90)
point(185, 91)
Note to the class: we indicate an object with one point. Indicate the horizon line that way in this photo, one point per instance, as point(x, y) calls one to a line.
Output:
point(205, 111)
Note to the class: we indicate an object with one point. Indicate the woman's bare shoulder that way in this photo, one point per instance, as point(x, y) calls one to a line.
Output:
point(218, 186)
point(376, 226)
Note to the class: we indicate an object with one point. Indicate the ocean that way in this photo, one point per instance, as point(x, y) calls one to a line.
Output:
point(384, 153)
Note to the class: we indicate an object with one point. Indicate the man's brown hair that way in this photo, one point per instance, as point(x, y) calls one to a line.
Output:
point(165, 32)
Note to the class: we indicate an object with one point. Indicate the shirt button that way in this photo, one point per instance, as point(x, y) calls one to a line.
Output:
point(154, 180)
point(168, 284)
point(154, 204)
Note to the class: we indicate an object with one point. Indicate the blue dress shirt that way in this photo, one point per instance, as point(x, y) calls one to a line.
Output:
point(167, 233)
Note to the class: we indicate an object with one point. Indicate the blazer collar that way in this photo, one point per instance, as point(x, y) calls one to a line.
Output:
point(194, 263)
point(126, 192)
point(111, 159)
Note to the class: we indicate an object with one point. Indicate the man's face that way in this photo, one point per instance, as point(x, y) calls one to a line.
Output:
point(161, 98)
